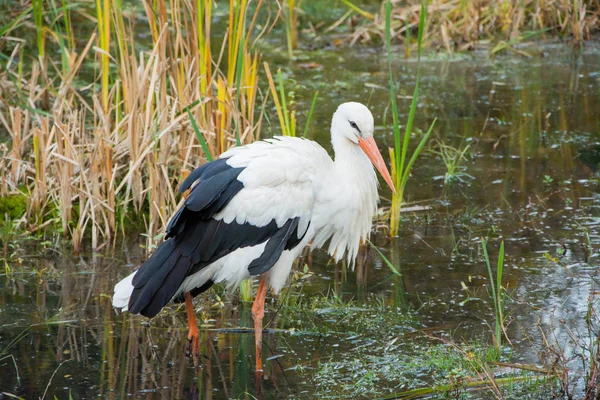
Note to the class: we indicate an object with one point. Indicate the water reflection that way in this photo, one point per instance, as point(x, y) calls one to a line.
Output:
point(79, 346)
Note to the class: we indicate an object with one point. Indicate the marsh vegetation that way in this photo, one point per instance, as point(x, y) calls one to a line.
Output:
point(481, 279)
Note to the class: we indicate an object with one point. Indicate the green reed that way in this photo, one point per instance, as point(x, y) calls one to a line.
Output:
point(497, 291)
point(402, 162)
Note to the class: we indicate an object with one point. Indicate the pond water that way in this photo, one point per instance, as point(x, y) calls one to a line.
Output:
point(530, 128)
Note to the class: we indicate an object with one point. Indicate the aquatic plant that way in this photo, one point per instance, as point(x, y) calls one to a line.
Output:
point(13, 206)
point(498, 292)
point(402, 162)
point(393, 370)
point(453, 159)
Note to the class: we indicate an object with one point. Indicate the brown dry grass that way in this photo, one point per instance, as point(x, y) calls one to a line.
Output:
point(455, 25)
point(90, 158)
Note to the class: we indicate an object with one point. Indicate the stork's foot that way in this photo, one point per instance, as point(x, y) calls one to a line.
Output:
point(192, 347)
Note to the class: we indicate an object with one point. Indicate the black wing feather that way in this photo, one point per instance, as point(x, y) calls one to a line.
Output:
point(295, 239)
point(206, 170)
point(221, 239)
point(209, 190)
point(171, 231)
point(145, 290)
point(234, 187)
point(165, 289)
point(153, 264)
point(274, 248)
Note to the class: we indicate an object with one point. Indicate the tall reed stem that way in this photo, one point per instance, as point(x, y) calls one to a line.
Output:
point(497, 291)
point(402, 164)
point(103, 15)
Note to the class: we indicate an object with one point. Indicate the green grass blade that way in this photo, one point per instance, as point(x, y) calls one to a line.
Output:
point(66, 18)
point(409, 124)
point(15, 22)
point(310, 113)
point(489, 268)
point(200, 137)
point(396, 123)
point(288, 128)
point(500, 265)
point(416, 153)
point(357, 9)
point(38, 17)
point(422, 21)
point(387, 262)
point(59, 36)
point(188, 108)
point(495, 291)
point(413, 104)
point(499, 272)
point(37, 111)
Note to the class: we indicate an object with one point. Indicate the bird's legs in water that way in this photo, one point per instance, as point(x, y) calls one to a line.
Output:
point(192, 349)
point(258, 311)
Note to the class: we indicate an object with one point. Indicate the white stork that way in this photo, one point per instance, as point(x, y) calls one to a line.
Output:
point(252, 212)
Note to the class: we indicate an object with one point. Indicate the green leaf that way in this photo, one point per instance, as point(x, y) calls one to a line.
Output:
point(200, 137)
point(387, 262)
point(310, 113)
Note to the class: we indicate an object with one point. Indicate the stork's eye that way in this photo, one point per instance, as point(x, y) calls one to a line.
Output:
point(353, 125)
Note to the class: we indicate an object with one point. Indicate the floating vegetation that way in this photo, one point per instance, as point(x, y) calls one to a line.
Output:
point(453, 159)
point(423, 370)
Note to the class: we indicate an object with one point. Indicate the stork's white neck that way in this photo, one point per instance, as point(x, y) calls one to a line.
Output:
point(351, 160)
point(355, 201)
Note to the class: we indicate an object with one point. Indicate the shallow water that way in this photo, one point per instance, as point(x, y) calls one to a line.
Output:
point(532, 128)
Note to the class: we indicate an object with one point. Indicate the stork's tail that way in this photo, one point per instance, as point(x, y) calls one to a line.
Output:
point(123, 291)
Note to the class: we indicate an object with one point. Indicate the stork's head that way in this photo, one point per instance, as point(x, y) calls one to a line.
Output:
point(354, 122)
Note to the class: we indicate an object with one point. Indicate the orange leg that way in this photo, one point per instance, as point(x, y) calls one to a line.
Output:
point(258, 312)
point(193, 345)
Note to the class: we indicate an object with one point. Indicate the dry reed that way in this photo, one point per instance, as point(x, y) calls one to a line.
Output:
point(456, 25)
point(90, 161)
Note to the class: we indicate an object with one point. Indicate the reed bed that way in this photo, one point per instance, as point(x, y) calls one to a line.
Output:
point(458, 25)
point(90, 158)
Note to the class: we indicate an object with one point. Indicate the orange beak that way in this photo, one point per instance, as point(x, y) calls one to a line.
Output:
point(370, 148)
